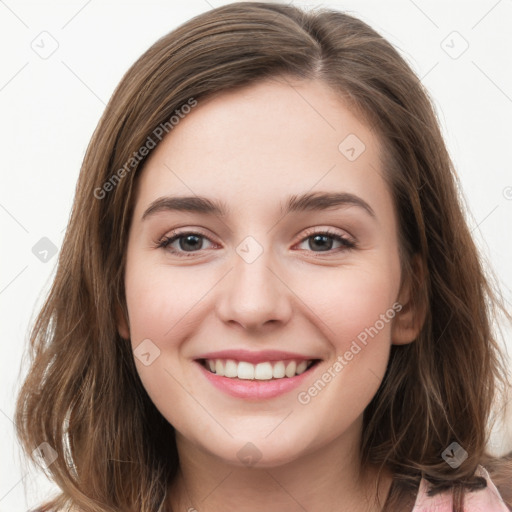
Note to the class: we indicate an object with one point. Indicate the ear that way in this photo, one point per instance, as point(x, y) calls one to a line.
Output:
point(411, 317)
point(122, 323)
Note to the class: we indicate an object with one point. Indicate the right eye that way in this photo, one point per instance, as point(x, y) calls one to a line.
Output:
point(186, 240)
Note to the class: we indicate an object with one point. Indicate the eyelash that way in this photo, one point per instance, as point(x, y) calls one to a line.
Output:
point(165, 242)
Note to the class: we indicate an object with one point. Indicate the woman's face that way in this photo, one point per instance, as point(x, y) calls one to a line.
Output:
point(259, 289)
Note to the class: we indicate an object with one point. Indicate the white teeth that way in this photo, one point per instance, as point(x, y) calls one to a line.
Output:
point(278, 371)
point(219, 367)
point(245, 370)
point(290, 369)
point(261, 371)
point(301, 367)
point(231, 369)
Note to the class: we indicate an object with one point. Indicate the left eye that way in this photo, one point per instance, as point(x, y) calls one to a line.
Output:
point(191, 242)
point(324, 241)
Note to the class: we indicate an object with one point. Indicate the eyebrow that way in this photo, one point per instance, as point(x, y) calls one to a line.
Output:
point(317, 201)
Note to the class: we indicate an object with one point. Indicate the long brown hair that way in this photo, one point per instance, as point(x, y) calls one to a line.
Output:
point(82, 394)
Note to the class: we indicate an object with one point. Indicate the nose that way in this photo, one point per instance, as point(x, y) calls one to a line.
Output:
point(254, 295)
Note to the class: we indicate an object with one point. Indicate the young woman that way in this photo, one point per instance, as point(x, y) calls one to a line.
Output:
point(268, 297)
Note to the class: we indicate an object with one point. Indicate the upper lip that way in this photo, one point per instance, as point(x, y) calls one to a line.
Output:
point(255, 357)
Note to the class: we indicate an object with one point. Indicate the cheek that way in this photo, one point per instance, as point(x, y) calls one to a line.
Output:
point(357, 313)
point(165, 306)
point(159, 301)
point(353, 302)
point(158, 314)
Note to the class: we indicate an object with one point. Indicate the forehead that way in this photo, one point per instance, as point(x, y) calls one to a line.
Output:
point(264, 141)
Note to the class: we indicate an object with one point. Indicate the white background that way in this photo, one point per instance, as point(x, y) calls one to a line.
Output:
point(50, 107)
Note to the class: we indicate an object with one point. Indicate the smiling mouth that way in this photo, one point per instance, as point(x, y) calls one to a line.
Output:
point(264, 371)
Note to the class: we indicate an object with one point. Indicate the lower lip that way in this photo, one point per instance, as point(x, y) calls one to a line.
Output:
point(255, 389)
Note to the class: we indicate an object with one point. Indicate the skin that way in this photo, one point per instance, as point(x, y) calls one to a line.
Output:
point(252, 148)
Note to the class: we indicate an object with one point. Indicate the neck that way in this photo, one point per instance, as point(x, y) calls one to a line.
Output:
point(328, 478)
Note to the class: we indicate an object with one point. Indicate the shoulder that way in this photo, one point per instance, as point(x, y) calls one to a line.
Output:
point(488, 499)
point(500, 471)
point(491, 495)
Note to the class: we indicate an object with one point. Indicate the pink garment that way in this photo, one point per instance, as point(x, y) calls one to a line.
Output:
point(483, 500)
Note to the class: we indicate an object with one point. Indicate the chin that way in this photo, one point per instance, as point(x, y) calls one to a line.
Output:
point(256, 451)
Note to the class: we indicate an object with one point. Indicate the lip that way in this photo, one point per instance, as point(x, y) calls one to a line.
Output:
point(255, 357)
point(256, 389)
